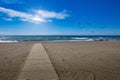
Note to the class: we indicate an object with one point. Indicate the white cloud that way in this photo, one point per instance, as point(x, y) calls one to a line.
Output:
point(37, 16)
point(47, 14)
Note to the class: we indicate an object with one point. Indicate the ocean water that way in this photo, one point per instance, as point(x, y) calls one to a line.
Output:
point(56, 38)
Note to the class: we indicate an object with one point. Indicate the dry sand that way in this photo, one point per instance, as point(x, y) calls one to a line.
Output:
point(99, 60)
point(12, 58)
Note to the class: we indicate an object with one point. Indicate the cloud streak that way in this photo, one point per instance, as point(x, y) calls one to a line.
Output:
point(37, 16)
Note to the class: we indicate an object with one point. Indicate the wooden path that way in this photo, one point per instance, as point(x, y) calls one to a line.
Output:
point(38, 66)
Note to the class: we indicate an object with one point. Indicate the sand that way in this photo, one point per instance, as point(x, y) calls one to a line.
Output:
point(12, 58)
point(99, 60)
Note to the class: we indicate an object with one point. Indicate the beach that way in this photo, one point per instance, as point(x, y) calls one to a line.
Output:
point(82, 60)
point(12, 58)
point(98, 60)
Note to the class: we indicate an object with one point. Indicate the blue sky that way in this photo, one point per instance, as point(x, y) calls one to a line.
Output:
point(60, 17)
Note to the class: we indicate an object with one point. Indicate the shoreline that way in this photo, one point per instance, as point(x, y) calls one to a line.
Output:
point(56, 38)
point(56, 41)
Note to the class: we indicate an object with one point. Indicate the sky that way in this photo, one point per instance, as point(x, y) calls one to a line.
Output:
point(59, 17)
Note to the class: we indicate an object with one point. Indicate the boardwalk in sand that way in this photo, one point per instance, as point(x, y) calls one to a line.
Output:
point(38, 66)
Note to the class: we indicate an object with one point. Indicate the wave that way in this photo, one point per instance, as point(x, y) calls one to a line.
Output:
point(7, 41)
point(79, 38)
point(70, 40)
point(82, 39)
point(56, 38)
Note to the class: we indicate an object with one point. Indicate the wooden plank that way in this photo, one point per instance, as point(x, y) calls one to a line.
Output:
point(38, 66)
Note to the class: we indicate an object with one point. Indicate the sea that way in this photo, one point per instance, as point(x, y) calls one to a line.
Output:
point(56, 38)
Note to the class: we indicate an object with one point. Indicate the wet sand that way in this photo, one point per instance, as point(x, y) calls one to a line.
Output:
point(99, 60)
point(12, 58)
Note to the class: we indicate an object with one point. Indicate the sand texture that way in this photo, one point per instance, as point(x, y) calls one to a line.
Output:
point(12, 58)
point(98, 60)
